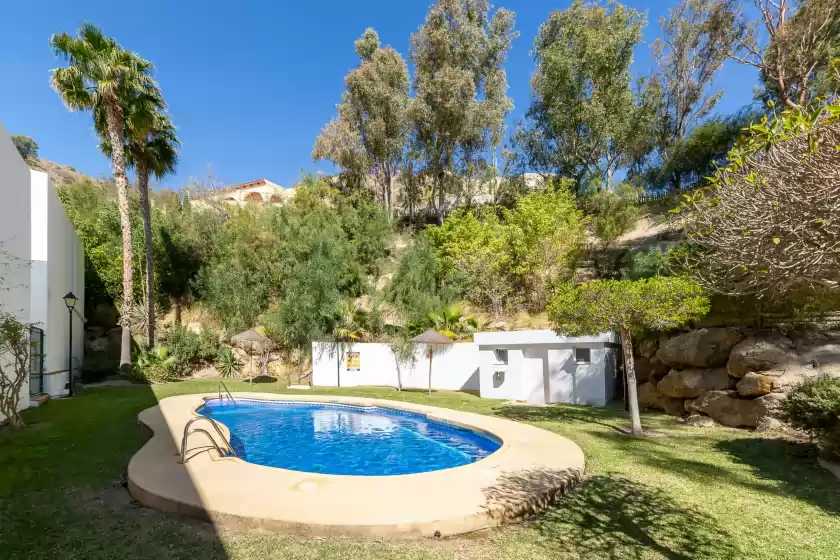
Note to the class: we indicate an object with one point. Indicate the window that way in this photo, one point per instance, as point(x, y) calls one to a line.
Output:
point(501, 356)
point(582, 355)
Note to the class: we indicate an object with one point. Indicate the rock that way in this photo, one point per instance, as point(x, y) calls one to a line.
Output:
point(768, 424)
point(105, 315)
point(642, 368)
point(786, 379)
point(702, 348)
point(650, 397)
point(94, 332)
point(195, 327)
point(759, 354)
point(647, 348)
point(755, 385)
point(96, 344)
point(823, 357)
point(773, 403)
point(700, 421)
point(691, 383)
point(696, 405)
point(730, 410)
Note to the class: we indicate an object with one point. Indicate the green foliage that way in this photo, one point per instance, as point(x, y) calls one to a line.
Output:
point(658, 304)
point(15, 350)
point(155, 365)
point(98, 365)
point(26, 146)
point(613, 215)
point(498, 261)
point(191, 350)
point(227, 363)
point(451, 322)
point(583, 56)
point(414, 289)
point(646, 264)
point(814, 407)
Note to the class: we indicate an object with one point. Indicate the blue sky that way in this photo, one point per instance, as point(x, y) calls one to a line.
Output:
point(249, 83)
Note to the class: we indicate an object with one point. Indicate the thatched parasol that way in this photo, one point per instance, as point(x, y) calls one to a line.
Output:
point(431, 338)
point(252, 338)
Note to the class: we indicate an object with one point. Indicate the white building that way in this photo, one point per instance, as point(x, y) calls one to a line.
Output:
point(538, 367)
point(259, 191)
point(42, 260)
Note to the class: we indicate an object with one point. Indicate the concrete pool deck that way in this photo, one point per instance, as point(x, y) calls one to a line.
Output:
point(531, 469)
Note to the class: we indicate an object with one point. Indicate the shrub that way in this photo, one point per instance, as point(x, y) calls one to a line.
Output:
point(192, 350)
point(155, 365)
point(646, 264)
point(228, 364)
point(814, 407)
point(98, 365)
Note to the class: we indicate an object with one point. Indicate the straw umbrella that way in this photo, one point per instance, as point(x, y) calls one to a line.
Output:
point(252, 338)
point(432, 339)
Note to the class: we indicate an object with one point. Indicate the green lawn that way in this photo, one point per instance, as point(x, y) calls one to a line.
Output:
point(697, 493)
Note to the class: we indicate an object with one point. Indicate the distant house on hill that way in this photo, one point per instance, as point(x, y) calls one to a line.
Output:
point(259, 191)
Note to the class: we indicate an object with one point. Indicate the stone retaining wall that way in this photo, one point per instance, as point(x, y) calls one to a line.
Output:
point(737, 377)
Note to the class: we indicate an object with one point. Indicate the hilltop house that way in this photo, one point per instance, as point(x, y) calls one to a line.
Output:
point(261, 191)
point(42, 260)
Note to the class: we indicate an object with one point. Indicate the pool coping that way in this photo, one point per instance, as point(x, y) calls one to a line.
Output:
point(531, 469)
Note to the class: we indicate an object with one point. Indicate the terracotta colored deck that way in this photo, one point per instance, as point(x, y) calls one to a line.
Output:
point(531, 469)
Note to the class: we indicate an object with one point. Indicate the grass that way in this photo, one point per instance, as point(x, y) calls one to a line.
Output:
point(696, 493)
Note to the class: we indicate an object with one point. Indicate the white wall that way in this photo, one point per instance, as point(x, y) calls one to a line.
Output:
point(454, 367)
point(14, 237)
point(57, 268)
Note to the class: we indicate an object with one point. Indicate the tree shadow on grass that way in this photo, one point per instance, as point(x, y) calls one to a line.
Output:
point(615, 517)
point(610, 417)
point(791, 465)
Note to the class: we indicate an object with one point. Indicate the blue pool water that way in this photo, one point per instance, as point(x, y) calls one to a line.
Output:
point(345, 439)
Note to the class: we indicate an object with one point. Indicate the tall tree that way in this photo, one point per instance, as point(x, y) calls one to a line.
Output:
point(585, 119)
point(152, 149)
point(99, 75)
point(697, 38)
point(373, 128)
point(802, 36)
point(26, 146)
point(460, 87)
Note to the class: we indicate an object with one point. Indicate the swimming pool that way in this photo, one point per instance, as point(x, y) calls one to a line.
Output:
point(344, 439)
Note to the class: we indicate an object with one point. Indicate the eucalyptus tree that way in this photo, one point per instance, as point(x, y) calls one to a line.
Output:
point(371, 130)
point(698, 36)
point(586, 120)
point(100, 74)
point(460, 87)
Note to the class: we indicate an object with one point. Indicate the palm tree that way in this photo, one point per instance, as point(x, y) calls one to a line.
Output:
point(152, 148)
point(100, 73)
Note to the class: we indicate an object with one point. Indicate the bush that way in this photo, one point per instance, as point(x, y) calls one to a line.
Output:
point(192, 350)
point(99, 365)
point(814, 407)
point(155, 365)
point(646, 264)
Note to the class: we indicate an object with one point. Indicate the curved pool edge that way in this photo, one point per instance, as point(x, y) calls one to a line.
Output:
point(531, 469)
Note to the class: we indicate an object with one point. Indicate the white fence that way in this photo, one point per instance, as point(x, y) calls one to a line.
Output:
point(454, 367)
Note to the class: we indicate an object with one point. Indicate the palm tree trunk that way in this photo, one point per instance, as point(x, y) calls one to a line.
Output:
point(143, 187)
point(630, 373)
point(116, 134)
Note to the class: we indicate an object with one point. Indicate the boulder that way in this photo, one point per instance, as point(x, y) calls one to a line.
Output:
point(768, 424)
point(650, 397)
point(105, 315)
point(755, 385)
point(730, 410)
point(696, 405)
point(824, 357)
point(97, 344)
point(649, 369)
point(691, 383)
point(658, 370)
point(759, 354)
point(786, 379)
point(701, 348)
point(647, 348)
point(700, 421)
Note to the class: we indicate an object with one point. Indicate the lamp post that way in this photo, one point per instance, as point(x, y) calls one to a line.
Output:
point(70, 301)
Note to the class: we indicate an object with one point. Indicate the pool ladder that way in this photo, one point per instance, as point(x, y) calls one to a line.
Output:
point(226, 394)
point(222, 452)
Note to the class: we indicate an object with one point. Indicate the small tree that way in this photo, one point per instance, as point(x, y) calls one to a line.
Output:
point(14, 366)
point(625, 305)
point(26, 146)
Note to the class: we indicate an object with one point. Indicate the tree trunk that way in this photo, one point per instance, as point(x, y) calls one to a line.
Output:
point(116, 135)
point(338, 364)
point(143, 187)
point(176, 310)
point(632, 394)
point(441, 178)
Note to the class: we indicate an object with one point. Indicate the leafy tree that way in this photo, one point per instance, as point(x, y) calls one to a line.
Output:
point(460, 87)
point(414, 290)
point(14, 367)
point(372, 117)
point(688, 161)
point(621, 305)
point(26, 146)
point(766, 225)
point(697, 38)
point(100, 75)
point(614, 215)
point(803, 37)
point(585, 119)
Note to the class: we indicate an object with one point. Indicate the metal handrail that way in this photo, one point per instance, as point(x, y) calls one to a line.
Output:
point(213, 423)
point(221, 385)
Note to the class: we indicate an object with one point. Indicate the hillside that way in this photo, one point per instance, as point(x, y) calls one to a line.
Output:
point(62, 174)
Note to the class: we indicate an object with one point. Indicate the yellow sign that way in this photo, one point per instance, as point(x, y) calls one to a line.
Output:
point(354, 361)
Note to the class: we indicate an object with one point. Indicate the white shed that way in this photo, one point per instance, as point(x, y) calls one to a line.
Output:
point(541, 367)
